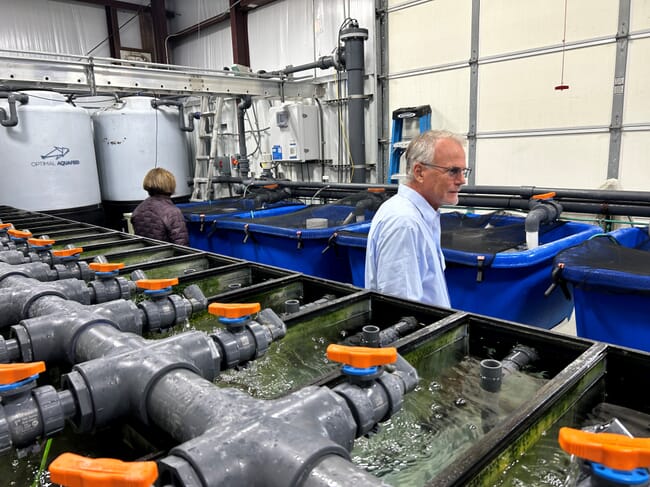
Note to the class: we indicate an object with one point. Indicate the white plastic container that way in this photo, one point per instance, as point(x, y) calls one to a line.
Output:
point(48, 158)
point(130, 138)
point(294, 132)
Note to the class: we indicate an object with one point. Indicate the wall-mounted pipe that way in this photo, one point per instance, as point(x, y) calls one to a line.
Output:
point(353, 38)
point(242, 162)
point(12, 98)
point(155, 103)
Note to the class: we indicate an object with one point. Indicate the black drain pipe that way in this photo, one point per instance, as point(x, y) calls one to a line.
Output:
point(353, 38)
point(242, 161)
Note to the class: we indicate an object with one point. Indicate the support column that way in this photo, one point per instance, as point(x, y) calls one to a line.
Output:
point(615, 129)
point(473, 90)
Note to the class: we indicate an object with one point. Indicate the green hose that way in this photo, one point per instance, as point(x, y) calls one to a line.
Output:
point(46, 452)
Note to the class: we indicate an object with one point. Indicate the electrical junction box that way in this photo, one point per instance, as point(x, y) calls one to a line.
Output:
point(294, 132)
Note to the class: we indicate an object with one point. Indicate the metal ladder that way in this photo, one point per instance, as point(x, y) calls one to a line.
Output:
point(206, 149)
point(397, 145)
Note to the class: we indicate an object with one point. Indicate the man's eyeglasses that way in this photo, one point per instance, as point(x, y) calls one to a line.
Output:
point(453, 171)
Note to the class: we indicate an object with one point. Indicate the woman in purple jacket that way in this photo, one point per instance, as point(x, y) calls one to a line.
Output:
point(157, 217)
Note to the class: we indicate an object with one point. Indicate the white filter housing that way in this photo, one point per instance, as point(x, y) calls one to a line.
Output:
point(48, 158)
point(130, 137)
point(294, 132)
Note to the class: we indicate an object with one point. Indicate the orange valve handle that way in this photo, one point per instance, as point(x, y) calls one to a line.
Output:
point(4, 226)
point(271, 186)
point(156, 284)
point(19, 233)
point(376, 190)
point(40, 242)
point(105, 266)
point(72, 470)
point(615, 451)
point(11, 373)
point(544, 196)
point(361, 357)
point(233, 310)
point(69, 252)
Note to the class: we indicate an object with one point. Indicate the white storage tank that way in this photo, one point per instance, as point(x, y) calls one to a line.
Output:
point(48, 159)
point(132, 137)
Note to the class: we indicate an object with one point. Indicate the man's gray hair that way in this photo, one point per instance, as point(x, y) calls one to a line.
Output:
point(423, 147)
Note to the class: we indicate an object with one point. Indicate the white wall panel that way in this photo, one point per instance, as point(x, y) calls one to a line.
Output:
point(637, 83)
point(635, 173)
point(190, 12)
point(447, 93)
point(129, 29)
point(429, 34)
point(640, 15)
point(281, 34)
point(516, 25)
point(520, 94)
point(211, 49)
point(50, 26)
point(566, 161)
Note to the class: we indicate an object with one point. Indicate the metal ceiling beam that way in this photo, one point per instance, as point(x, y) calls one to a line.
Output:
point(159, 22)
point(113, 27)
point(82, 74)
point(239, 34)
point(132, 7)
point(204, 24)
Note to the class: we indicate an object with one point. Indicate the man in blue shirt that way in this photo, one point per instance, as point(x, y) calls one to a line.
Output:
point(403, 256)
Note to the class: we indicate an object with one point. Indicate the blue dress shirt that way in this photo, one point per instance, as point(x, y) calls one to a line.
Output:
point(403, 256)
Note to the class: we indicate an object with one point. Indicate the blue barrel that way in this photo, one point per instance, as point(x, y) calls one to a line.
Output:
point(352, 241)
point(302, 241)
point(489, 270)
point(609, 277)
point(509, 283)
point(200, 217)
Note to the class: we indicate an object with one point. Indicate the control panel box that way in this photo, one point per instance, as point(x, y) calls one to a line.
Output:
point(294, 132)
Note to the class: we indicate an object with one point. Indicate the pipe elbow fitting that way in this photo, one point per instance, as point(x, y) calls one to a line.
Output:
point(542, 211)
point(245, 103)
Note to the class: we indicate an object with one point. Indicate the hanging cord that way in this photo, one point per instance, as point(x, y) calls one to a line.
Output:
point(562, 86)
point(155, 143)
point(345, 137)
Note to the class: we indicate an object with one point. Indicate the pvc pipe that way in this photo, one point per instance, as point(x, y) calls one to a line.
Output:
point(336, 471)
point(155, 103)
point(12, 120)
point(242, 106)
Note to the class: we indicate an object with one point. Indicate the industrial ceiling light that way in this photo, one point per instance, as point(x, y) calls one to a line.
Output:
point(562, 86)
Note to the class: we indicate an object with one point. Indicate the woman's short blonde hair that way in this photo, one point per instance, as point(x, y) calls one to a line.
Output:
point(159, 181)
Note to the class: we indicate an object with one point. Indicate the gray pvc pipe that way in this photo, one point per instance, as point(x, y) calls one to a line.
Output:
point(335, 471)
point(242, 106)
point(155, 103)
point(353, 38)
point(491, 375)
point(12, 120)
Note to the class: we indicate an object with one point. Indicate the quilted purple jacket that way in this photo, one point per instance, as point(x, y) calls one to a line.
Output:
point(157, 217)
